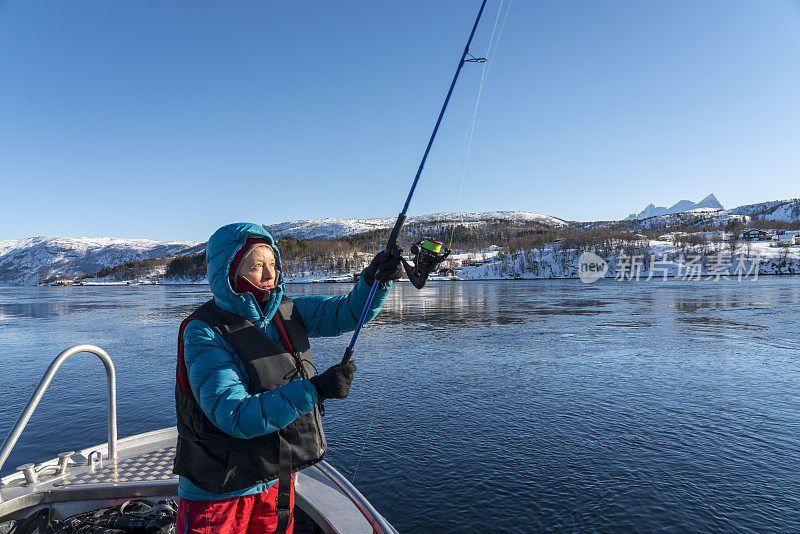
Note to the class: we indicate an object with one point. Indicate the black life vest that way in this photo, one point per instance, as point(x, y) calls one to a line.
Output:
point(219, 463)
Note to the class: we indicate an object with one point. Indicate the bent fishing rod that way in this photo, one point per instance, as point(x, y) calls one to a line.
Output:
point(428, 254)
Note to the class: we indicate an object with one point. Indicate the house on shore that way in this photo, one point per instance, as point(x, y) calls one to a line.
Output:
point(473, 263)
point(754, 234)
point(795, 233)
point(717, 236)
point(672, 236)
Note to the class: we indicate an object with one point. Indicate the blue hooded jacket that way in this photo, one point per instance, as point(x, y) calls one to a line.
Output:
point(217, 376)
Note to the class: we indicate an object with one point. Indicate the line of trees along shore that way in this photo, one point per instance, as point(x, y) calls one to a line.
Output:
point(349, 254)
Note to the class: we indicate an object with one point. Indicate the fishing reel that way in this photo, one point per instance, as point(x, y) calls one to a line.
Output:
point(427, 255)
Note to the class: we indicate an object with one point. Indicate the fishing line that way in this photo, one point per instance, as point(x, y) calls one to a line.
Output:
point(378, 398)
point(468, 135)
point(500, 35)
point(429, 254)
point(490, 53)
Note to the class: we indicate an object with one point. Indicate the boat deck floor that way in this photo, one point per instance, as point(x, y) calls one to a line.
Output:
point(144, 470)
point(153, 466)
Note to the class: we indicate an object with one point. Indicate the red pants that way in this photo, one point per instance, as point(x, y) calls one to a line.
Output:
point(251, 514)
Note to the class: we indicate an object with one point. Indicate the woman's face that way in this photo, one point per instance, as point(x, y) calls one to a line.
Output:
point(258, 268)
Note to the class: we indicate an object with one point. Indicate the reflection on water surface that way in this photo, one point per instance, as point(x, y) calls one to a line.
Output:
point(615, 406)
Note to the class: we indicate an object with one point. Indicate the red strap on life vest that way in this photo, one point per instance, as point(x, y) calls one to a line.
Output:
point(181, 373)
point(286, 343)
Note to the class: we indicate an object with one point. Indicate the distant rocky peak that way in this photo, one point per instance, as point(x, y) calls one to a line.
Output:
point(710, 202)
point(682, 205)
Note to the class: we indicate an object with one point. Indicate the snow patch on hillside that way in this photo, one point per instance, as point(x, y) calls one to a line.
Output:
point(778, 210)
point(30, 261)
point(338, 227)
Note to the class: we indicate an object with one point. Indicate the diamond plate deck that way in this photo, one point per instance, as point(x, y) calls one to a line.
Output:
point(149, 467)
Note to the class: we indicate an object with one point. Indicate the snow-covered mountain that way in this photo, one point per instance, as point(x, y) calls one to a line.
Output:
point(696, 217)
point(710, 202)
point(337, 227)
point(787, 211)
point(33, 260)
point(30, 261)
point(776, 210)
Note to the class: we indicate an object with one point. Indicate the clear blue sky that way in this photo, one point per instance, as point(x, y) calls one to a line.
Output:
point(167, 119)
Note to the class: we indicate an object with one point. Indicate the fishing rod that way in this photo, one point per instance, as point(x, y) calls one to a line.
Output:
point(428, 253)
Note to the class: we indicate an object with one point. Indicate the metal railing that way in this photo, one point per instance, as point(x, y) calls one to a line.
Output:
point(376, 521)
point(13, 436)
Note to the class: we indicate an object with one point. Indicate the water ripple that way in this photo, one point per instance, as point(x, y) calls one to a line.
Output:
point(531, 406)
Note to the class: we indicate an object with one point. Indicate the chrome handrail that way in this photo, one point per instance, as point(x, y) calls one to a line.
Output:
point(374, 518)
point(111, 377)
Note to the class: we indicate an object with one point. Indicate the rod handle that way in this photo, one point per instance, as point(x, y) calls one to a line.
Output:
point(401, 218)
point(348, 353)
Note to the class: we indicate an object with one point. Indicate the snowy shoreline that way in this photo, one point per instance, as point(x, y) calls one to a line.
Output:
point(642, 278)
point(635, 260)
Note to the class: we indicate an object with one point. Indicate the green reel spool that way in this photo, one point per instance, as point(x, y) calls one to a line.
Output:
point(432, 245)
point(428, 254)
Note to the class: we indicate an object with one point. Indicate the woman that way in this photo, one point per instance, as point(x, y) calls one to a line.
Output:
point(248, 401)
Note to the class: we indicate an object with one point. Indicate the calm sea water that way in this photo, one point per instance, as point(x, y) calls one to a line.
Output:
point(514, 406)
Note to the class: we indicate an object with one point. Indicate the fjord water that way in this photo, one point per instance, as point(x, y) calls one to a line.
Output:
point(510, 406)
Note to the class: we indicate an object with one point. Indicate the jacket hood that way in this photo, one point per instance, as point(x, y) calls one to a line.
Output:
point(220, 251)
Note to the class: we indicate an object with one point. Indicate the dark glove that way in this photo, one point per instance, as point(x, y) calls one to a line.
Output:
point(335, 382)
point(385, 266)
